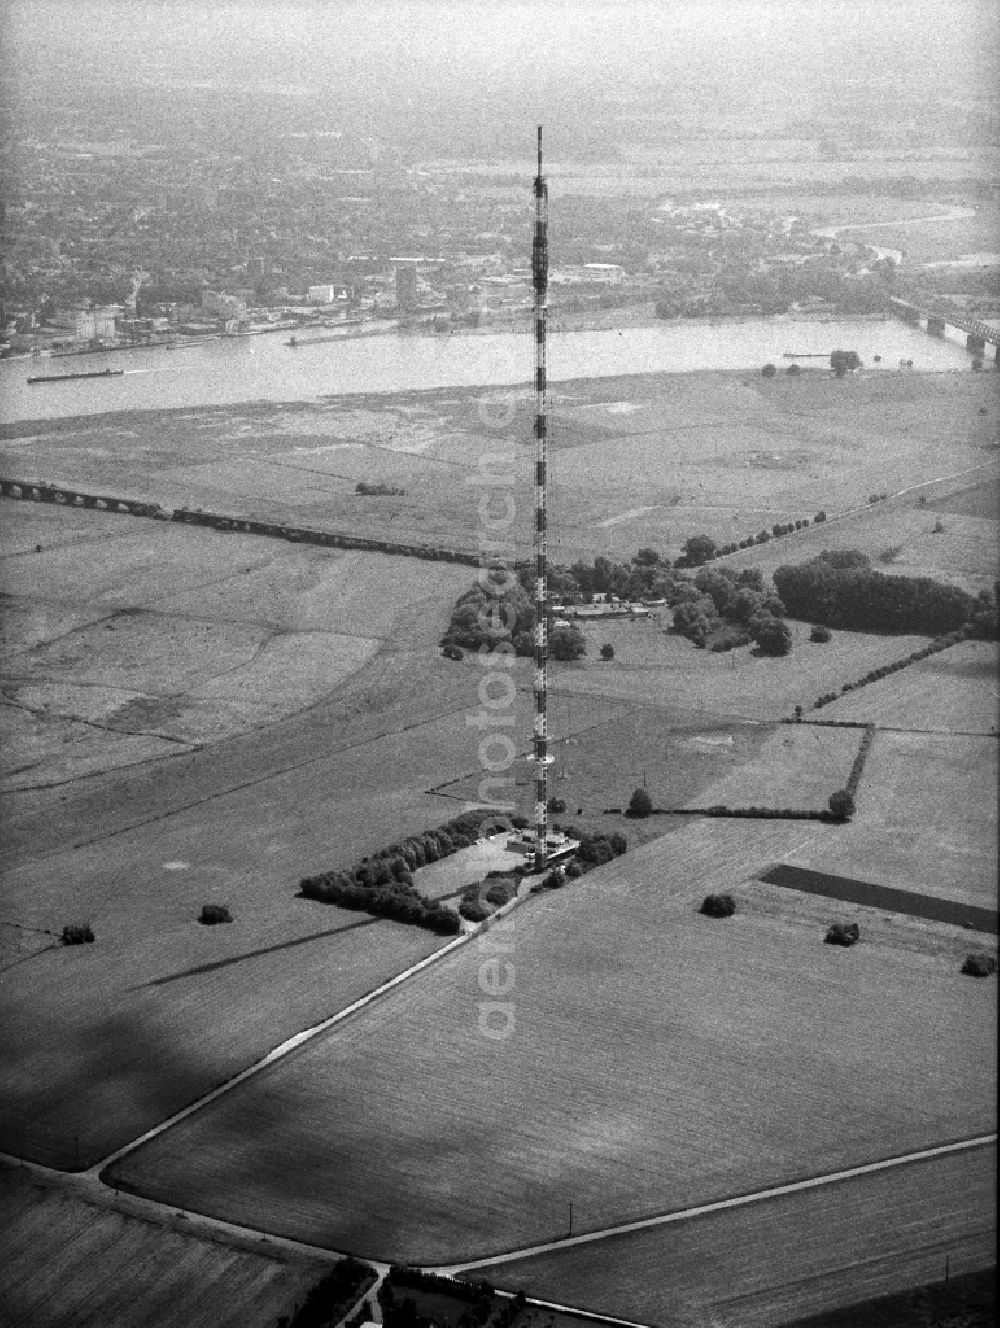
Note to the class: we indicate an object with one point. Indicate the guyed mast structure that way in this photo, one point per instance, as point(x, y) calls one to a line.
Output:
point(540, 744)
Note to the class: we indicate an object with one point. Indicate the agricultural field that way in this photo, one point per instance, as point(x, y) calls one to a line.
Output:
point(100, 1042)
point(633, 1014)
point(976, 500)
point(603, 749)
point(953, 691)
point(839, 1246)
point(125, 639)
point(798, 767)
point(926, 819)
point(901, 537)
point(640, 460)
point(199, 717)
point(64, 1256)
point(653, 667)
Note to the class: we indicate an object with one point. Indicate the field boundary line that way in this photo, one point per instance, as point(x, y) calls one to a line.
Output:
point(86, 1187)
point(846, 512)
point(281, 1051)
point(276, 773)
point(721, 1205)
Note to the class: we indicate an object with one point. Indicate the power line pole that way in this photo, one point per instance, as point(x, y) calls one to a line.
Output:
point(540, 745)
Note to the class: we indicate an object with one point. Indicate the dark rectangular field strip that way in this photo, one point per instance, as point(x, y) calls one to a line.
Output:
point(883, 896)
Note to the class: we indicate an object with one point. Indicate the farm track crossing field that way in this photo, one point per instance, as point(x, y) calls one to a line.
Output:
point(772, 1264)
point(634, 1019)
point(308, 723)
point(64, 1260)
point(100, 1042)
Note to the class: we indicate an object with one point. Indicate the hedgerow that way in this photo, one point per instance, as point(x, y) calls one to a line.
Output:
point(211, 914)
point(382, 885)
point(876, 675)
point(857, 769)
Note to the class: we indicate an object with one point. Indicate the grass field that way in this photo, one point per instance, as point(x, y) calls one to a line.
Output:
point(955, 690)
point(839, 1245)
point(926, 819)
point(100, 1042)
point(641, 460)
point(633, 1016)
point(653, 667)
point(63, 1262)
point(125, 637)
point(263, 711)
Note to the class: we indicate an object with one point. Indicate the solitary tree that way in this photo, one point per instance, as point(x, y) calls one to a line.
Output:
point(768, 371)
point(842, 804)
point(640, 804)
point(607, 651)
point(567, 643)
point(699, 549)
point(772, 635)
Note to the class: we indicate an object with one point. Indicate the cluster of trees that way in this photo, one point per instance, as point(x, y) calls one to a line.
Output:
point(646, 576)
point(844, 361)
point(479, 1298)
point(332, 1295)
point(843, 933)
point(978, 965)
point(721, 597)
point(77, 935)
point(595, 849)
point(383, 884)
point(841, 589)
point(475, 899)
point(718, 906)
point(212, 914)
point(481, 618)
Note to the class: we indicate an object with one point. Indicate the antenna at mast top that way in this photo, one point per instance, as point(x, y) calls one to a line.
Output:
point(539, 149)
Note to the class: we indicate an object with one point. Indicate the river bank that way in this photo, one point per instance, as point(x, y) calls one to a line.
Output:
point(227, 371)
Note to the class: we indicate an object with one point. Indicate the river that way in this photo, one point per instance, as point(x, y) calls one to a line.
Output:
point(231, 370)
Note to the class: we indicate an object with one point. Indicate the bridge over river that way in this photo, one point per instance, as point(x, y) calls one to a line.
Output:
point(978, 335)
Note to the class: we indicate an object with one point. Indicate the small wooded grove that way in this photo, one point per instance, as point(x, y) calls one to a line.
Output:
point(333, 1295)
point(840, 588)
point(383, 883)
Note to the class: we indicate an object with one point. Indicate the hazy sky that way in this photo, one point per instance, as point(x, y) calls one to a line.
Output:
point(543, 58)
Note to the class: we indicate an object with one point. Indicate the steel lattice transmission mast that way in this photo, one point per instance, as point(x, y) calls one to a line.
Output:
point(540, 749)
